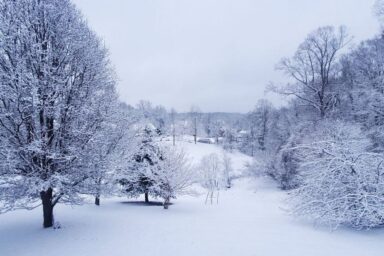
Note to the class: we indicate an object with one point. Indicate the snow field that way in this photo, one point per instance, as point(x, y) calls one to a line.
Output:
point(249, 220)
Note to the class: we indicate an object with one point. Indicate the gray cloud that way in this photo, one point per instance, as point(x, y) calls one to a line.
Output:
point(218, 54)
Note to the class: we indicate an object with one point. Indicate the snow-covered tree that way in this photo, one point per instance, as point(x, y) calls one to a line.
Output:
point(364, 88)
point(379, 11)
point(55, 84)
point(229, 139)
point(227, 166)
point(172, 116)
point(140, 173)
point(211, 176)
point(207, 124)
point(112, 145)
point(259, 121)
point(315, 69)
point(157, 115)
point(175, 174)
point(343, 182)
point(218, 130)
point(284, 165)
point(195, 115)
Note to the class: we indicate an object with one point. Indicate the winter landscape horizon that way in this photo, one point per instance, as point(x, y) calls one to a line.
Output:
point(179, 127)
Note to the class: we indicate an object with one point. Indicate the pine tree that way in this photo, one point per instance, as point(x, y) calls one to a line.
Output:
point(141, 173)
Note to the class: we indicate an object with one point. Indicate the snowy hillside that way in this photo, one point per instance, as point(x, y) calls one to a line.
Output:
point(169, 143)
point(249, 220)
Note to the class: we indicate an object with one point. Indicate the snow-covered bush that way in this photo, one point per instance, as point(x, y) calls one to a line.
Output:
point(214, 174)
point(280, 164)
point(261, 164)
point(283, 167)
point(343, 183)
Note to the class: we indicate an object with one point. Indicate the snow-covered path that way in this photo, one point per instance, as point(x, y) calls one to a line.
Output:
point(247, 221)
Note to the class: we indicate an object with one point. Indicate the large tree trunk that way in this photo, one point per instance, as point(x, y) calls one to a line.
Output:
point(97, 200)
point(98, 191)
point(146, 197)
point(166, 203)
point(46, 198)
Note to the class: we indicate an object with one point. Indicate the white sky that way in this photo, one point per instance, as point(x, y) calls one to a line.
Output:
point(217, 54)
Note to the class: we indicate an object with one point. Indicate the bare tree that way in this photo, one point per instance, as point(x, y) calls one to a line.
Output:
point(227, 166)
point(379, 11)
point(212, 176)
point(259, 122)
point(208, 124)
point(173, 125)
point(363, 101)
point(315, 69)
point(195, 116)
point(217, 129)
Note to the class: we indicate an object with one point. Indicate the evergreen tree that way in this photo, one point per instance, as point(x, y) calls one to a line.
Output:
point(141, 174)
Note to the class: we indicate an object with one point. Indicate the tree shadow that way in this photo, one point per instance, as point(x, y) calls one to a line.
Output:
point(141, 203)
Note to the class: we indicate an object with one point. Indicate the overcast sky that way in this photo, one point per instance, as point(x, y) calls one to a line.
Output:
point(217, 54)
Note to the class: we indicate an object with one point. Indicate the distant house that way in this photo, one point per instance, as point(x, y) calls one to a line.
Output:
point(241, 135)
point(206, 140)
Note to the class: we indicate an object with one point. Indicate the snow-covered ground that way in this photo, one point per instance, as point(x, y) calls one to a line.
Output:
point(248, 220)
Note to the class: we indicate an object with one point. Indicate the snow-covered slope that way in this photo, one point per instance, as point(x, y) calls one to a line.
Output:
point(248, 220)
point(197, 151)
